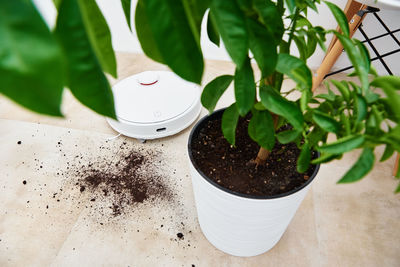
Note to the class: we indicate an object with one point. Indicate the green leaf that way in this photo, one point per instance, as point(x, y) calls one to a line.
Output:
point(343, 89)
point(389, 87)
point(174, 38)
point(245, 89)
point(261, 129)
point(324, 158)
point(343, 145)
point(326, 122)
point(316, 135)
point(277, 104)
point(263, 47)
point(363, 165)
point(291, 4)
point(212, 31)
point(144, 33)
point(303, 162)
point(296, 69)
point(195, 10)
point(288, 136)
point(231, 24)
point(340, 17)
point(387, 153)
point(86, 79)
point(126, 6)
point(301, 46)
point(357, 59)
point(311, 43)
point(271, 18)
point(214, 90)
point(31, 65)
point(229, 121)
point(397, 174)
point(387, 82)
point(361, 108)
point(99, 35)
point(304, 100)
point(397, 189)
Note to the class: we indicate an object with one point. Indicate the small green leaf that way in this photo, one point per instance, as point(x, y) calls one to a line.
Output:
point(342, 145)
point(212, 31)
point(316, 135)
point(174, 38)
point(288, 136)
point(31, 61)
point(86, 79)
point(361, 108)
point(397, 189)
point(229, 121)
point(357, 59)
point(390, 88)
point(261, 129)
point(303, 162)
point(245, 88)
point(144, 33)
point(126, 6)
point(340, 17)
point(231, 24)
point(304, 100)
point(324, 158)
point(343, 89)
point(296, 69)
point(291, 4)
point(99, 35)
point(389, 150)
point(214, 90)
point(259, 106)
point(360, 168)
point(263, 47)
point(326, 122)
point(387, 81)
point(277, 104)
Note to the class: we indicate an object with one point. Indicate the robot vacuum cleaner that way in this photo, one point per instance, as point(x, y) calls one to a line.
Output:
point(154, 104)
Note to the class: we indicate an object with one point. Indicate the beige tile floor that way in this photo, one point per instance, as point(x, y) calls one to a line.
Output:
point(336, 225)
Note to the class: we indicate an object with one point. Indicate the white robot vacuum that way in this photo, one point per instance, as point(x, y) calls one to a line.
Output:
point(154, 104)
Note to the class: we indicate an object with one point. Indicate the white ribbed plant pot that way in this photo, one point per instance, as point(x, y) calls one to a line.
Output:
point(238, 224)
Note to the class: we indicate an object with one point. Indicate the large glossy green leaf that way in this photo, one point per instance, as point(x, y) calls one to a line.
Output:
point(271, 18)
point(277, 104)
point(340, 17)
point(303, 162)
point(261, 129)
point(363, 165)
point(231, 24)
point(342, 145)
point(326, 122)
point(288, 136)
point(214, 90)
point(245, 89)
point(296, 69)
point(31, 66)
point(174, 38)
point(126, 6)
point(99, 35)
point(195, 10)
point(212, 31)
point(86, 79)
point(229, 121)
point(263, 47)
point(144, 33)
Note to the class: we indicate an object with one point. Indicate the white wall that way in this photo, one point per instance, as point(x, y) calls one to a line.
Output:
point(124, 40)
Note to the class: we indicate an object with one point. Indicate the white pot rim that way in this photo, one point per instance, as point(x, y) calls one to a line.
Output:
point(196, 128)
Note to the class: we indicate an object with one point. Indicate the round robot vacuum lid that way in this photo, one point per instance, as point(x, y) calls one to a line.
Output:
point(153, 97)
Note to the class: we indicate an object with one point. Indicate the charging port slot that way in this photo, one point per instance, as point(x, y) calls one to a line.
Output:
point(161, 129)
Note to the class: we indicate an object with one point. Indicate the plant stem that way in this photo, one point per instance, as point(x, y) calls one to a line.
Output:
point(263, 153)
point(296, 14)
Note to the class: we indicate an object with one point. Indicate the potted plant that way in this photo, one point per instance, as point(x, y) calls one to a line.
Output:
point(252, 163)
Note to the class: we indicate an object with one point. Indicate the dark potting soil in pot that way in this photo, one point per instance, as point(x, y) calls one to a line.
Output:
point(232, 167)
